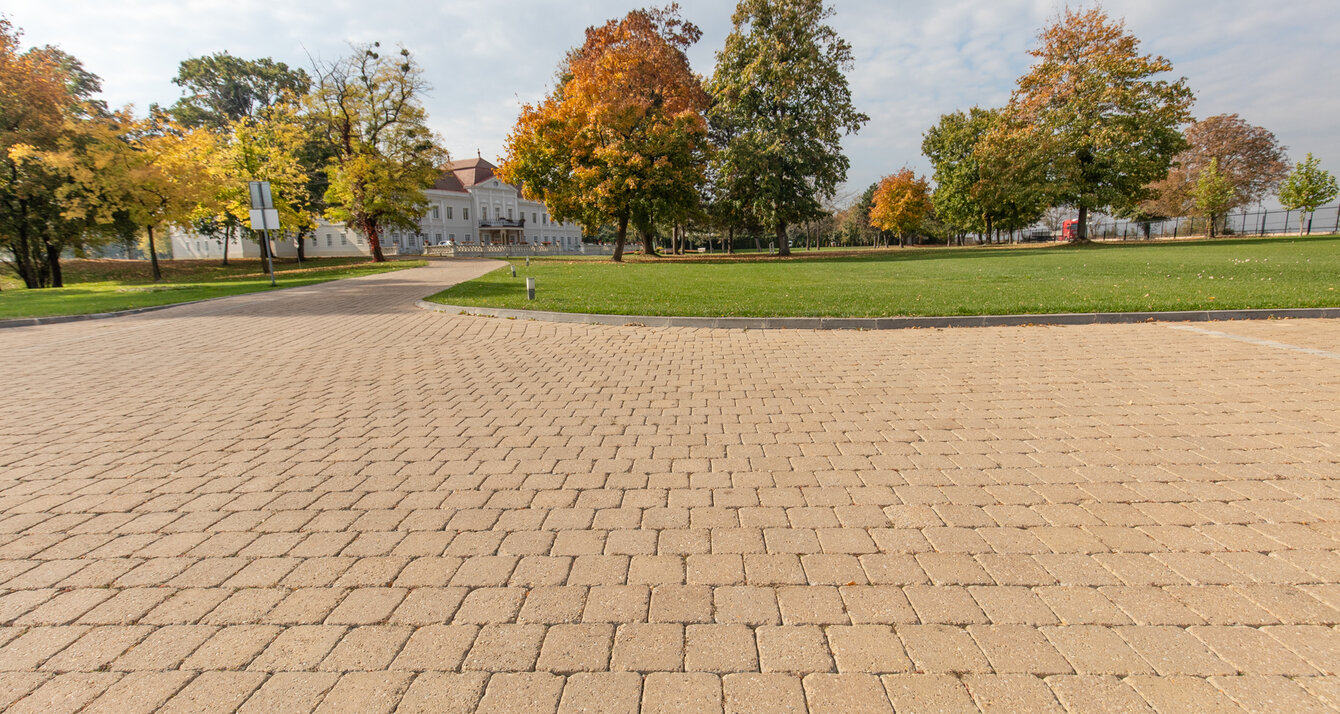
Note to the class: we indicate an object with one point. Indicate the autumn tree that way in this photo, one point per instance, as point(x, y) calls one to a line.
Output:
point(1214, 194)
point(622, 137)
point(902, 204)
point(224, 93)
point(1306, 188)
point(1248, 157)
point(46, 99)
point(369, 107)
point(1098, 109)
point(780, 83)
point(266, 147)
point(149, 173)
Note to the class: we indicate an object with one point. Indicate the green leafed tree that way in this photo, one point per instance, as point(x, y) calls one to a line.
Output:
point(951, 147)
point(780, 84)
point(369, 107)
point(220, 89)
point(1104, 114)
point(1214, 194)
point(1306, 188)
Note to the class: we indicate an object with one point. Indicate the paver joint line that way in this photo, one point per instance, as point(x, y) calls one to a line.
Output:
point(336, 501)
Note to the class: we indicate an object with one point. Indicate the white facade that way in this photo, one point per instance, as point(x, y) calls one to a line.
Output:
point(467, 206)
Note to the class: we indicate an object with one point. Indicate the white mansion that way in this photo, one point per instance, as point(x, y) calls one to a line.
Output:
point(467, 205)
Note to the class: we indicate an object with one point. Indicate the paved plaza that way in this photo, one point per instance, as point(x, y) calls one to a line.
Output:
point(327, 499)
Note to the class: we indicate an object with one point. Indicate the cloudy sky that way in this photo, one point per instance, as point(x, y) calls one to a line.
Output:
point(1271, 62)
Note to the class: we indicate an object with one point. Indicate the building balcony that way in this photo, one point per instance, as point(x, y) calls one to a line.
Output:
point(501, 223)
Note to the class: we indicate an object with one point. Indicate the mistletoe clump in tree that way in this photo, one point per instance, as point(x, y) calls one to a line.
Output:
point(622, 138)
point(369, 108)
point(781, 96)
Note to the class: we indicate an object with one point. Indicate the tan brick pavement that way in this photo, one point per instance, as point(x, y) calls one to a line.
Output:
point(326, 499)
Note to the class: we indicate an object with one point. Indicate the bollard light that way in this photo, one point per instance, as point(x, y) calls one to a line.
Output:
point(514, 271)
point(530, 288)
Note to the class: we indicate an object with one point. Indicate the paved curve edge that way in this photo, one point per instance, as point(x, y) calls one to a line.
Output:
point(885, 323)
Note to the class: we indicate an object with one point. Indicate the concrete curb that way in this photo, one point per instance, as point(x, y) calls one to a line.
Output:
point(885, 323)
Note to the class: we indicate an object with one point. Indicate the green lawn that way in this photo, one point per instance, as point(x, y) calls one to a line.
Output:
point(110, 285)
point(1188, 275)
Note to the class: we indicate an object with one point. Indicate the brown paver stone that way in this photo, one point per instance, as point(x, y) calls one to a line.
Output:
point(1100, 517)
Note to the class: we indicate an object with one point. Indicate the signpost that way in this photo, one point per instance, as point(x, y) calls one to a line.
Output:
point(263, 218)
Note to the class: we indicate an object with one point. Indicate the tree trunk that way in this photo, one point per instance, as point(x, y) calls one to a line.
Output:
point(620, 235)
point(302, 251)
point(53, 265)
point(758, 245)
point(783, 249)
point(1082, 228)
point(153, 255)
point(648, 241)
point(375, 243)
point(730, 240)
point(227, 239)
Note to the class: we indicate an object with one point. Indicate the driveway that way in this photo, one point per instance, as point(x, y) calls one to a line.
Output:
point(327, 499)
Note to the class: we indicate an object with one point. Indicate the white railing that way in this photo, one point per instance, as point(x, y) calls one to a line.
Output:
point(511, 251)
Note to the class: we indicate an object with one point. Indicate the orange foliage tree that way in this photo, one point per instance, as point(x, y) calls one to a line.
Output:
point(622, 138)
point(1105, 116)
point(902, 203)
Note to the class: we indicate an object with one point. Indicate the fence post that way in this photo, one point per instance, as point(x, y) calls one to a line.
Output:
point(1337, 220)
point(1263, 221)
point(1286, 221)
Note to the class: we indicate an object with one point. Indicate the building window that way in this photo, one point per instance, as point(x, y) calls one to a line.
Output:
point(509, 213)
point(483, 213)
point(344, 239)
point(439, 239)
point(546, 218)
point(468, 238)
point(451, 237)
point(449, 213)
point(330, 240)
point(436, 214)
point(465, 213)
point(533, 219)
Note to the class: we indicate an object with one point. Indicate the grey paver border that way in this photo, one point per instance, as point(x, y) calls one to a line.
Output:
point(885, 323)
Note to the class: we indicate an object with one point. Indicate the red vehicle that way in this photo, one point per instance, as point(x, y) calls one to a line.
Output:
point(1069, 229)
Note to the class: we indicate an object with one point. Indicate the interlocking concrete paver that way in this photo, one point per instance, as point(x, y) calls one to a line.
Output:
point(1101, 518)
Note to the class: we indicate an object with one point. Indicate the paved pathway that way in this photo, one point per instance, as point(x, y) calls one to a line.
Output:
point(326, 499)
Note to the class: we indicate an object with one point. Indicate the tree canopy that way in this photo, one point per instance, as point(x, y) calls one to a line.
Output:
point(369, 107)
point(1097, 109)
point(220, 89)
point(622, 138)
point(1248, 157)
point(1307, 187)
point(901, 204)
point(780, 91)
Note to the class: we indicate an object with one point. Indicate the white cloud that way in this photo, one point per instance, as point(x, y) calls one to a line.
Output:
point(1269, 62)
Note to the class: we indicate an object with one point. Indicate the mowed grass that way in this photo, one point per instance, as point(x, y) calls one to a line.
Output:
point(1188, 275)
point(109, 285)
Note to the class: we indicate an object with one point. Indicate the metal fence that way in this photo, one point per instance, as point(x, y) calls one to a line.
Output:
point(1324, 220)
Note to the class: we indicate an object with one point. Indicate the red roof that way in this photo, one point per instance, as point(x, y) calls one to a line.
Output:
point(472, 171)
point(461, 175)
